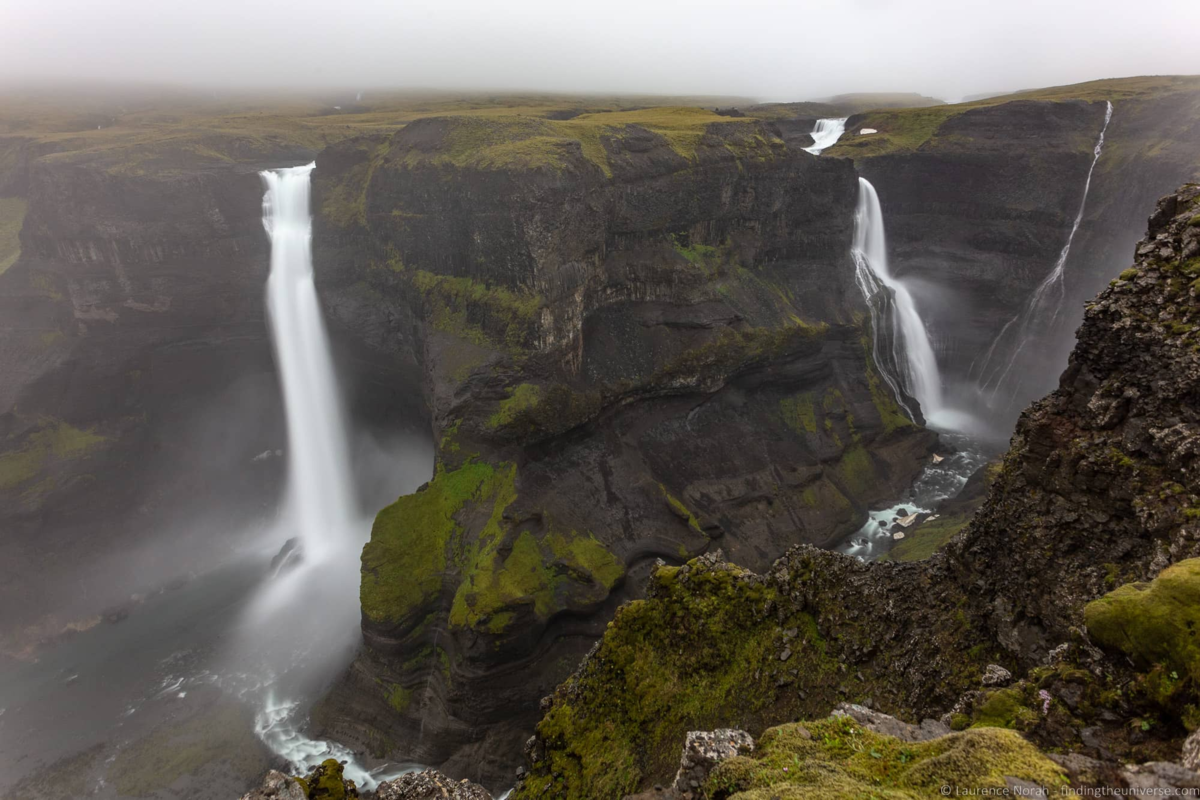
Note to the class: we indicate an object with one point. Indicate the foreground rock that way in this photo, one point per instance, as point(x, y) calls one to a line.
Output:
point(1100, 482)
point(430, 785)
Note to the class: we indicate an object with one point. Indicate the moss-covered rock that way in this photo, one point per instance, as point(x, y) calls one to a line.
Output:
point(839, 758)
point(1153, 623)
point(327, 782)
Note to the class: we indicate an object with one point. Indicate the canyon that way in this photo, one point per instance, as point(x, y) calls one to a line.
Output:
point(612, 340)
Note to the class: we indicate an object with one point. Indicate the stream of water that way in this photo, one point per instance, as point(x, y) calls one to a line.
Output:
point(826, 134)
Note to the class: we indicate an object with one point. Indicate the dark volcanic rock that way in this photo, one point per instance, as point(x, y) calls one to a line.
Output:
point(1100, 483)
point(631, 351)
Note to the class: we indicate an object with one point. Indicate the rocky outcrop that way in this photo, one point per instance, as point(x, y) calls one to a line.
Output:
point(640, 337)
point(1099, 483)
point(430, 785)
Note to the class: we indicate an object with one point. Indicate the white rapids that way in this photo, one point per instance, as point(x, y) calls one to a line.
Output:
point(825, 134)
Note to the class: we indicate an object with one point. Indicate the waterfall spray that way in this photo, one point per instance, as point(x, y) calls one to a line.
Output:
point(825, 134)
point(1046, 302)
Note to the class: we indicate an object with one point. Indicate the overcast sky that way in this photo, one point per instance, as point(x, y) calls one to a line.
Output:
point(760, 48)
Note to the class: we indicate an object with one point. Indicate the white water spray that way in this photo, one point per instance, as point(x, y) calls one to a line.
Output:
point(1046, 301)
point(910, 365)
point(825, 134)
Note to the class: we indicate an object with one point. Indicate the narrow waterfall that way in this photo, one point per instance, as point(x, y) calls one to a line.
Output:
point(1043, 307)
point(826, 133)
point(909, 364)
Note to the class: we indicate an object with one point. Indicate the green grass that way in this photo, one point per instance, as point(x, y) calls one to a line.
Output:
point(921, 542)
point(12, 217)
point(488, 316)
point(856, 471)
point(908, 129)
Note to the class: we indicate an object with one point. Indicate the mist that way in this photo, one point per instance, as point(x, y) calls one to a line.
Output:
point(763, 49)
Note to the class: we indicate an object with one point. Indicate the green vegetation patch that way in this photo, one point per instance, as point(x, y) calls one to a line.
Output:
point(838, 758)
point(505, 571)
point(488, 316)
point(1153, 623)
point(399, 698)
point(701, 652)
point(926, 539)
point(856, 470)
point(799, 412)
point(12, 217)
point(680, 510)
point(520, 399)
point(52, 441)
point(403, 563)
point(506, 142)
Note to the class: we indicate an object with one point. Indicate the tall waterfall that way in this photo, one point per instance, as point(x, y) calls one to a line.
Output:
point(909, 364)
point(302, 627)
point(320, 493)
point(825, 134)
point(1043, 307)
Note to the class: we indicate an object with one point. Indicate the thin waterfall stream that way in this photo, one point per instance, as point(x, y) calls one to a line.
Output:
point(1045, 304)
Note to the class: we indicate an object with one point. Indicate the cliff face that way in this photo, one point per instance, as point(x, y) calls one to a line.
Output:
point(137, 369)
point(1099, 489)
point(640, 336)
point(980, 200)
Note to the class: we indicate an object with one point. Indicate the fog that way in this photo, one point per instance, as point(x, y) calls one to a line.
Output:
point(764, 49)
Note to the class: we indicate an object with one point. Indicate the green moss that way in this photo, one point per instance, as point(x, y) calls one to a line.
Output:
point(399, 698)
point(703, 652)
point(405, 559)
point(1153, 623)
point(856, 471)
point(520, 399)
point(488, 316)
point(837, 758)
point(923, 541)
point(504, 572)
point(1004, 708)
point(12, 217)
point(799, 412)
point(1128, 274)
point(327, 782)
point(680, 510)
point(52, 441)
